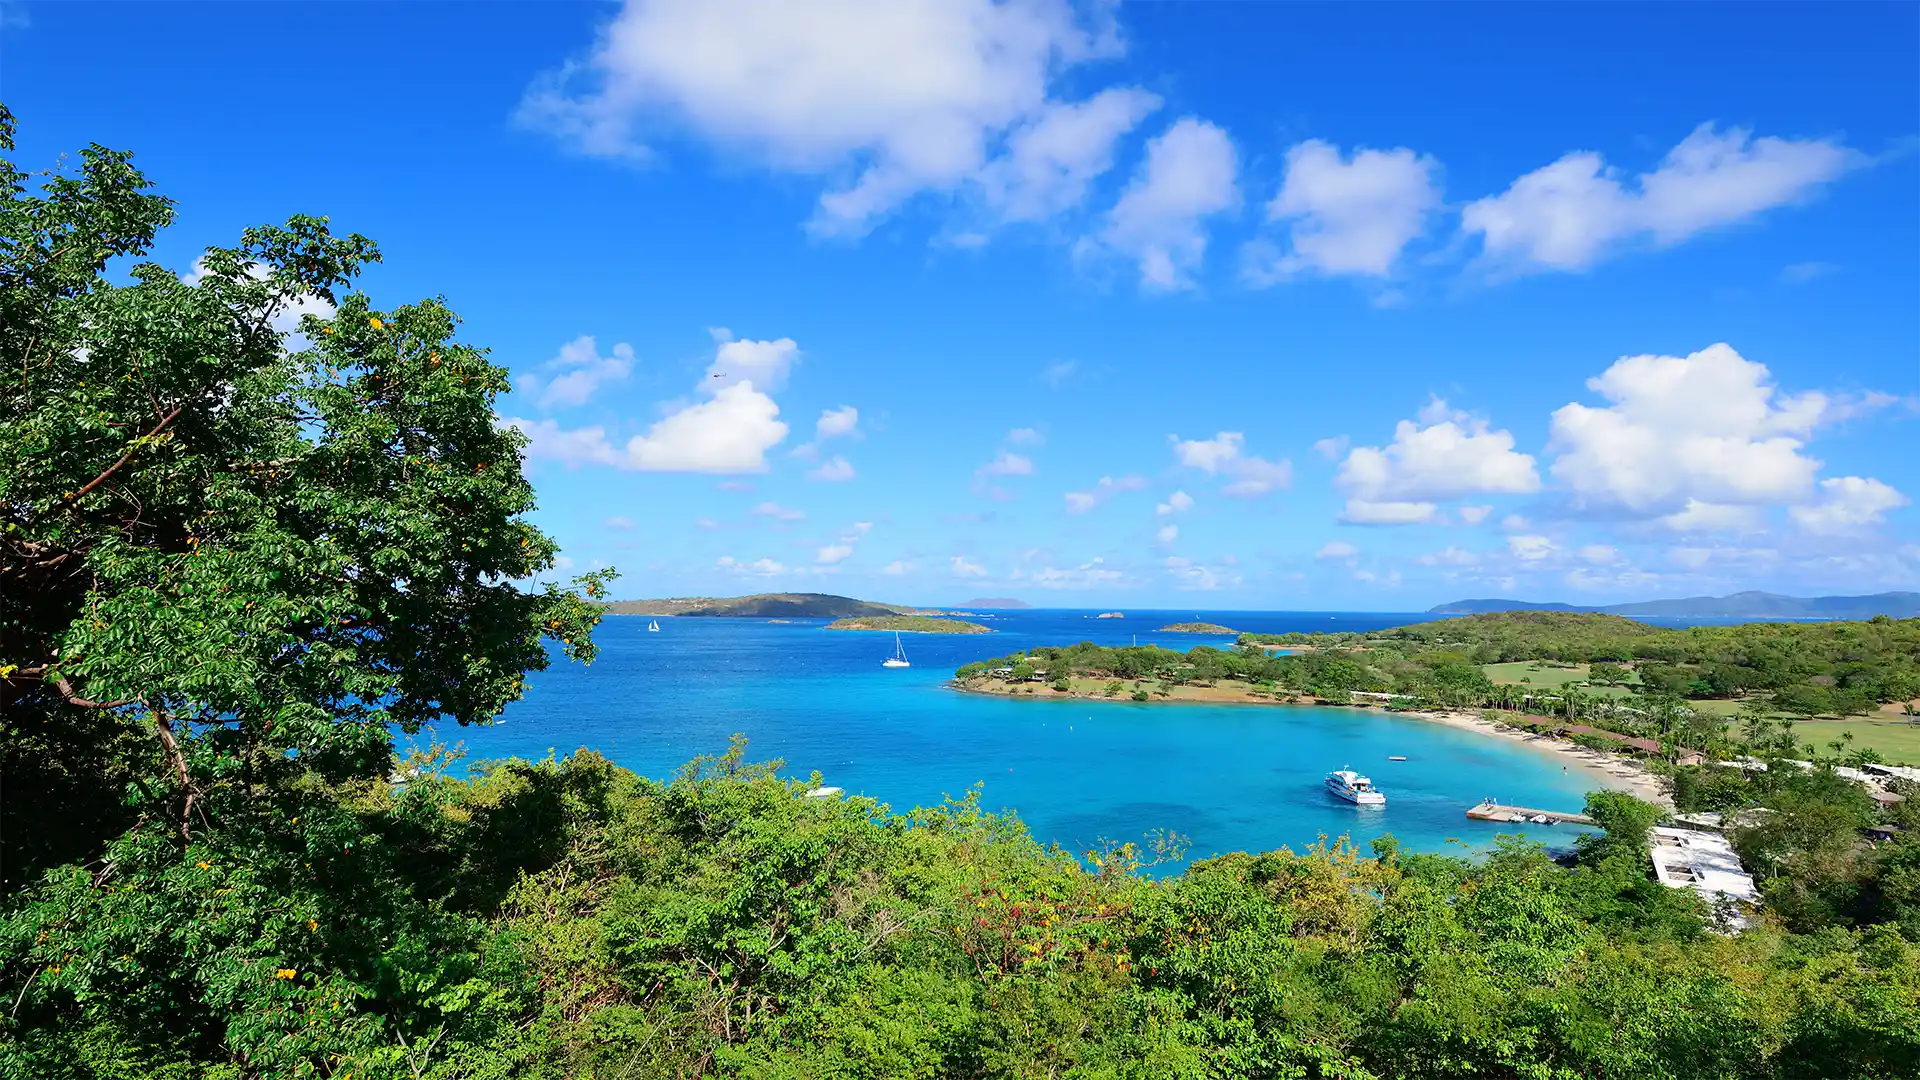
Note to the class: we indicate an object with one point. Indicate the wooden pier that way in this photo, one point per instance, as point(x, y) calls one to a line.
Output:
point(1493, 811)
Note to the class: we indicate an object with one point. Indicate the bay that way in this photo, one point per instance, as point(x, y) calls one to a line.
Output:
point(1077, 772)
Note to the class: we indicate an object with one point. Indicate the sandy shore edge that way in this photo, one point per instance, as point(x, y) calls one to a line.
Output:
point(1610, 771)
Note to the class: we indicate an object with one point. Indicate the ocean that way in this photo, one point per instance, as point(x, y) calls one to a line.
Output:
point(1076, 772)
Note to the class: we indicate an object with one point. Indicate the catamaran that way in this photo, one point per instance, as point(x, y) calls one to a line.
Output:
point(899, 657)
point(1354, 788)
point(653, 627)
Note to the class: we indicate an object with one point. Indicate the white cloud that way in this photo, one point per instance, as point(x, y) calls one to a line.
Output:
point(1474, 515)
point(756, 568)
point(1051, 159)
point(777, 512)
point(1085, 576)
point(1570, 214)
point(1224, 455)
point(1450, 456)
point(898, 568)
point(730, 433)
point(1599, 554)
point(619, 522)
point(832, 554)
point(1367, 512)
point(1025, 436)
point(1391, 580)
point(912, 96)
point(1331, 448)
point(1349, 216)
point(834, 423)
point(1700, 517)
point(1167, 534)
point(832, 471)
point(1056, 375)
point(1515, 523)
point(1449, 556)
point(1187, 177)
point(705, 523)
point(1079, 502)
point(765, 364)
point(1007, 464)
point(548, 441)
point(1198, 577)
point(1177, 503)
point(1848, 503)
point(966, 568)
point(1696, 441)
point(1530, 547)
point(580, 371)
point(285, 316)
point(1336, 549)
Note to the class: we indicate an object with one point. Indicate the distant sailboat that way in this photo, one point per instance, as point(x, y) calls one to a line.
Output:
point(653, 627)
point(899, 657)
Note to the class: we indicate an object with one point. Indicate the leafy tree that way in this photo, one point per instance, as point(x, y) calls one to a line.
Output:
point(1627, 821)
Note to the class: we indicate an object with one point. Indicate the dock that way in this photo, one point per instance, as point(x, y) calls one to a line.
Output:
point(1493, 811)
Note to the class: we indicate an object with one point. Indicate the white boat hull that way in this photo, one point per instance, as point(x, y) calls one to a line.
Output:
point(1357, 797)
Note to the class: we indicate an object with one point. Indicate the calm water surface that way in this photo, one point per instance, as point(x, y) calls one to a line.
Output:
point(1229, 777)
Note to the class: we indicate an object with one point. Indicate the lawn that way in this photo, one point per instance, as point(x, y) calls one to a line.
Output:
point(1536, 675)
point(1896, 740)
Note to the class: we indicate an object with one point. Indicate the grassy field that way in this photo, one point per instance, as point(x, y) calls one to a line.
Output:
point(1536, 675)
point(1895, 740)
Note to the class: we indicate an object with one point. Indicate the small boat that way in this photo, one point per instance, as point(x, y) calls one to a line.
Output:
point(899, 657)
point(1397, 757)
point(1354, 788)
point(653, 627)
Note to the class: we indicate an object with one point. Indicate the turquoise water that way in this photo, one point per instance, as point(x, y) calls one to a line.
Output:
point(1229, 777)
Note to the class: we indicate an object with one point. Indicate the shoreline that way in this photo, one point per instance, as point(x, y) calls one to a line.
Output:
point(1611, 771)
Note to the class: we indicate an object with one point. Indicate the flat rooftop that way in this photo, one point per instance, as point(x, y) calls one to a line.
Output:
point(1704, 862)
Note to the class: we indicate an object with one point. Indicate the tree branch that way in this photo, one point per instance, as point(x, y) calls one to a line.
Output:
point(124, 458)
point(73, 697)
point(163, 724)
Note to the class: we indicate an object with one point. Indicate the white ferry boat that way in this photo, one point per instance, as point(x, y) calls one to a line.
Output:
point(1354, 788)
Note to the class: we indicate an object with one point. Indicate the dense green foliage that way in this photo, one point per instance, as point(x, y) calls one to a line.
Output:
point(1196, 628)
point(572, 920)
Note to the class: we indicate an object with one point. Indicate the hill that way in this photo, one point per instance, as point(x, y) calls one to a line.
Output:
point(910, 624)
point(1741, 605)
point(1000, 603)
point(1197, 628)
point(760, 606)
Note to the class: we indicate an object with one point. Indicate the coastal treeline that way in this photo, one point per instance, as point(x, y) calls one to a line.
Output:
point(1801, 668)
point(234, 563)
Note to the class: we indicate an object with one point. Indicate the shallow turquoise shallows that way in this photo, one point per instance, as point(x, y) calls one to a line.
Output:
point(1228, 777)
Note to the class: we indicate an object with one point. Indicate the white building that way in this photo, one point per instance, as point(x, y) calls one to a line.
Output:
point(1705, 863)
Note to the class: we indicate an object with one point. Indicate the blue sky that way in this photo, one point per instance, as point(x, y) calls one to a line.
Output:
point(1183, 306)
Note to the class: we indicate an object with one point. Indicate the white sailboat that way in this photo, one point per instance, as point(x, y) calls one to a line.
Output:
point(899, 657)
point(653, 626)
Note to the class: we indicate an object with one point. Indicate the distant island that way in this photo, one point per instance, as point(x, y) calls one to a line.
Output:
point(1197, 628)
point(910, 624)
point(1001, 603)
point(760, 606)
point(1741, 605)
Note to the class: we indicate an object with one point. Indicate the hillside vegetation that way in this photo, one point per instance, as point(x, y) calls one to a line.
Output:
point(910, 624)
point(1197, 628)
point(758, 606)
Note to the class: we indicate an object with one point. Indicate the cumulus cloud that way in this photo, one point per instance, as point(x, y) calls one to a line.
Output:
point(1699, 442)
point(966, 568)
point(1079, 502)
point(619, 521)
point(832, 554)
point(898, 568)
point(1449, 556)
point(1531, 548)
point(1225, 455)
point(730, 432)
point(1347, 216)
point(1599, 554)
point(1336, 549)
point(1847, 504)
point(577, 373)
point(1025, 436)
point(1474, 515)
point(756, 568)
point(1443, 454)
point(1006, 464)
point(777, 512)
point(1574, 212)
point(912, 97)
point(1199, 577)
point(1087, 575)
point(834, 423)
point(1188, 176)
point(1177, 503)
point(1056, 375)
point(1167, 534)
point(1331, 448)
point(832, 471)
